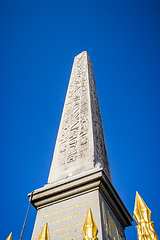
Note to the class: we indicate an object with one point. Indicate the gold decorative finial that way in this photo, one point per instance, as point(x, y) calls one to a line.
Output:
point(44, 235)
point(142, 215)
point(9, 237)
point(89, 228)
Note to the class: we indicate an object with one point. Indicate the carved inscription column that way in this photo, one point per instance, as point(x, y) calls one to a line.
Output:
point(80, 144)
point(73, 137)
point(72, 153)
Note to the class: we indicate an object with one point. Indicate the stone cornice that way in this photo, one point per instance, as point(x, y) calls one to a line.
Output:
point(91, 180)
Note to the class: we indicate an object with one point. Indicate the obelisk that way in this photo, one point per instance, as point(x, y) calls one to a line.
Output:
point(80, 144)
point(80, 177)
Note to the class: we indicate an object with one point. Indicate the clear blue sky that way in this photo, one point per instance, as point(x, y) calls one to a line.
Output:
point(38, 42)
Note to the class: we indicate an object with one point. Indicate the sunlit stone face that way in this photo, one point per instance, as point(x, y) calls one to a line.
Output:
point(65, 219)
point(80, 144)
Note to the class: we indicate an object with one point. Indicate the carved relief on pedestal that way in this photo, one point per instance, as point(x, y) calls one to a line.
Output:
point(111, 229)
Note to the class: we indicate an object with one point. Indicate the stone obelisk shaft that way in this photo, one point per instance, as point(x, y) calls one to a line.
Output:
point(80, 144)
point(80, 177)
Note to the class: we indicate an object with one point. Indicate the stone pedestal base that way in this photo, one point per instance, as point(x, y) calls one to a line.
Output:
point(63, 205)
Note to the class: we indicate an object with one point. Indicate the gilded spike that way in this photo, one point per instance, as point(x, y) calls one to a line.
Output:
point(142, 215)
point(89, 228)
point(141, 211)
point(44, 235)
point(9, 237)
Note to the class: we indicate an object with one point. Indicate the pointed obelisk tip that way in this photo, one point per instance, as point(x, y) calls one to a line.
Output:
point(81, 54)
point(89, 228)
point(9, 237)
point(142, 215)
point(44, 235)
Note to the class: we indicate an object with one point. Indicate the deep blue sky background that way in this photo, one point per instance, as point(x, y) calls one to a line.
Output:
point(38, 42)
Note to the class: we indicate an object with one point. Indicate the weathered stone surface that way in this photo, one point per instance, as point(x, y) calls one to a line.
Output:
point(80, 144)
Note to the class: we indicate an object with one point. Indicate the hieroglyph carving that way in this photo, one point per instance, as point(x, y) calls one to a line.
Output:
point(100, 152)
point(74, 134)
point(111, 229)
point(80, 137)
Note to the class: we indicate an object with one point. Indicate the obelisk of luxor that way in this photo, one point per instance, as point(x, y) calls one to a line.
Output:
point(80, 180)
point(80, 144)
